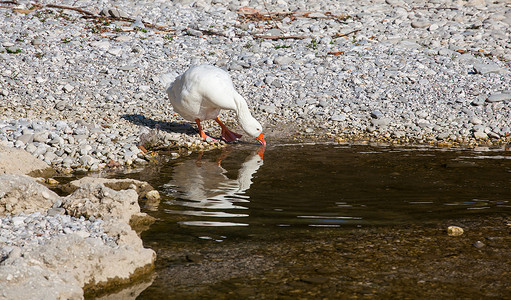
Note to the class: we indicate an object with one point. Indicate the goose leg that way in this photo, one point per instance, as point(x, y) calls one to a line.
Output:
point(227, 135)
point(202, 134)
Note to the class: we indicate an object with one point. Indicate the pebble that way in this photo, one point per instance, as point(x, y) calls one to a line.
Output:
point(480, 135)
point(454, 231)
point(153, 195)
point(499, 97)
point(476, 121)
point(487, 68)
point(409, 73)
point(338, 118)
point(283, 60)
point(420, 24)
point(44, 226)
point(479, 244)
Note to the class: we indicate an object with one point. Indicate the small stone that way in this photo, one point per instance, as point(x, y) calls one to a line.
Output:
point(283, 60)
point(31, 148)
point(13, 50)
point(123, 38)
point(61, 105)
point(45, 195)
point(493, 135)
point(433, 27)
point(271, 109)
point(277, 83)
point(68, 88)
point(18, 221)
point(51, 181)
point(85, 160)
point(153, 195)
point(37, 42)
point(479, 244)
point(454, 231)
point(50, 156)
point(103, 45)
point(399, 134)
point(376, 114)
point(370, 129)
point(338, 117)
point(56, 211)
point(382, 122)
point(499, 97)
point(274, 31)
point(476, 121)
point(114, 12)
point(26, 138)
point(194, 32)
point(479, 100)
point(19, 144)
point(104, 12)
point(420, 24)
point(486, 68)
point(480, 135)
point(115, 51)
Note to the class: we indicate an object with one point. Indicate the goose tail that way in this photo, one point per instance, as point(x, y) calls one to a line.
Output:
point(166, 79)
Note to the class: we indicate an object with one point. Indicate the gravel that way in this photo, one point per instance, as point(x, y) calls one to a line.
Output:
point(29, 230)
point(81, 94)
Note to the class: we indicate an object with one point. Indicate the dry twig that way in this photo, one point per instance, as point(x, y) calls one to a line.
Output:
point(338, 35)
point(299, 37)
point(96, 16)
point(281, 37)
point(72, 8)
point(438, 8)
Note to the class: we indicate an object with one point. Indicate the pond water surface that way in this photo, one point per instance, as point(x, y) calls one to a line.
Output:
point(218, 202)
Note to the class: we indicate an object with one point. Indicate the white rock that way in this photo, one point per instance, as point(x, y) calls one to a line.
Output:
point(103, 45)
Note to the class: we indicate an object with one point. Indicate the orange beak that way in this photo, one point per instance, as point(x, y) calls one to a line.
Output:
point(261, 139)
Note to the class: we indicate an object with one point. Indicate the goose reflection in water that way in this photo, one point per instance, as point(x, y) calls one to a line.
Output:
point(203, 185)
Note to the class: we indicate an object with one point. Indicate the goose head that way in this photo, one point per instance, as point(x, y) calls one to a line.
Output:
point(253, 128)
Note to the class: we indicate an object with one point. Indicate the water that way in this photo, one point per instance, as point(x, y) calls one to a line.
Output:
point(245, 195)
point(335, 186)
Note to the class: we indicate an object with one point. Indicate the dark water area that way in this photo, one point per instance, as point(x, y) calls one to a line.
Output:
point(334, 186)
point(227, 217)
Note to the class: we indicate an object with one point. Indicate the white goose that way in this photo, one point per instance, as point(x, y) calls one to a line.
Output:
point(202, 92)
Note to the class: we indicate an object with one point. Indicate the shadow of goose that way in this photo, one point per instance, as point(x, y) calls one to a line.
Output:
point(176, 127)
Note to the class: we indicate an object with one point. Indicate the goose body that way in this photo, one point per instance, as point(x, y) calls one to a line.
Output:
point(202, 92)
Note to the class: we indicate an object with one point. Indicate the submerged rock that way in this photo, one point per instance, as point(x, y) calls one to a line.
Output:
point(454, 231)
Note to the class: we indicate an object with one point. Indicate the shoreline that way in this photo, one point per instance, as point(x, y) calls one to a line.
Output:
point(82, 91)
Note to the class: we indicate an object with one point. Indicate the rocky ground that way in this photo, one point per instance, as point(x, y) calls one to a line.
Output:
point(54, 247)
point(82, 88)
